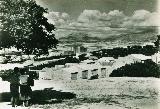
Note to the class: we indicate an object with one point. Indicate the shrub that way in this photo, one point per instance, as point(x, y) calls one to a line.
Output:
point(122, 52)
point(146, 69)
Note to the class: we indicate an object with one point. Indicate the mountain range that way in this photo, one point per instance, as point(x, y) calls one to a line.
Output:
point(84, 37)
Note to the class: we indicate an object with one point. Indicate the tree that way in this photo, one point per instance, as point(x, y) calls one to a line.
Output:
point(25, 27)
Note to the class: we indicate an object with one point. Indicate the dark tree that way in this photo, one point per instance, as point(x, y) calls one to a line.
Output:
point(25, 27)
point(149, 50)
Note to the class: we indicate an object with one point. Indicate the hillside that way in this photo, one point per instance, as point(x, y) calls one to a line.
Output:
point(79, 37)
point(107, 93)
point(127, 37)
point(142, 37)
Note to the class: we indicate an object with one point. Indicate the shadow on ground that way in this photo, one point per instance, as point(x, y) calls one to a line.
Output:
point(47, 95)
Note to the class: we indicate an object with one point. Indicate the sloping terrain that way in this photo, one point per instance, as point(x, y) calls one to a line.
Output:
point(148, 36)
point(110, 93)
point(79, 37)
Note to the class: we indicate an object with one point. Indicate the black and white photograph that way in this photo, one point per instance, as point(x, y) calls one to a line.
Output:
point(79, 54)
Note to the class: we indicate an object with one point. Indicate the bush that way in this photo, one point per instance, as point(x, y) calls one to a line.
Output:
point(122, 52)
point(68, 59)
point(146, 69)
point(5, 74)
point(82, 57)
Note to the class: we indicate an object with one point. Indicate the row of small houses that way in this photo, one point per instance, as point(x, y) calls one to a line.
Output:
point(74, 71)
point(100, 68)
point(86, 70)
point(78, 71)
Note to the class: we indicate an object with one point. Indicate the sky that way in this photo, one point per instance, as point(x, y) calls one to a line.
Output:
point(101, 18)
point(75, 7)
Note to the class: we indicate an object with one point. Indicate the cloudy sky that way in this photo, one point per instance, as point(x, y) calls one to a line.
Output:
point(101, 18)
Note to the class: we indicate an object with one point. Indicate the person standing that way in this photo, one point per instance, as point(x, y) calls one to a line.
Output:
point(25, 90)
point(14, 86)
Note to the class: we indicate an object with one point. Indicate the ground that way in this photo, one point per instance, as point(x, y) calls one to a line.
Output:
point(107, 93)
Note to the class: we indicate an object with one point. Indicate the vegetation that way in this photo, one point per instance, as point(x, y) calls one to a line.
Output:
point(82, 57)
point(59, 62)
point(122, 52)
point(146, 69)
point(25, 27)
point(5, 74)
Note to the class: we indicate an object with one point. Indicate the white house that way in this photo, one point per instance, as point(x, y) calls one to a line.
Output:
point(88, 61)
point(105, 61)
point(141, 57)
point(72, 72)
point(45, 75)
point(103, 73)
point(156, 58)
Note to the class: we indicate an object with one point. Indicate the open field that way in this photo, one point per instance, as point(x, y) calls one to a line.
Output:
point(111, 93)
point(107, 93)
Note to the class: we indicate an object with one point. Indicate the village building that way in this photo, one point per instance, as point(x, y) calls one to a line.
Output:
point(74, 76)
point(106, 61)
point(45, 75)
point(85, 74)
point(141, 57)
point(103, 72)
point(73, 71)
point(156, 58)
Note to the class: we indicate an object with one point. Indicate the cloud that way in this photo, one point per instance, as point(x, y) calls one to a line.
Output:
point(117, 18)
point(94, 17)
point(57, 18)
point(140, 21)
point(103, 24)
point(89, 15)
point(99, 24)
point(141, 14)
point(142, 18)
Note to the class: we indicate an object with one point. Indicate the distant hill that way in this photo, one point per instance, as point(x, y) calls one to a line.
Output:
point(127, 37)
point(142, 37)
point(79, 37)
